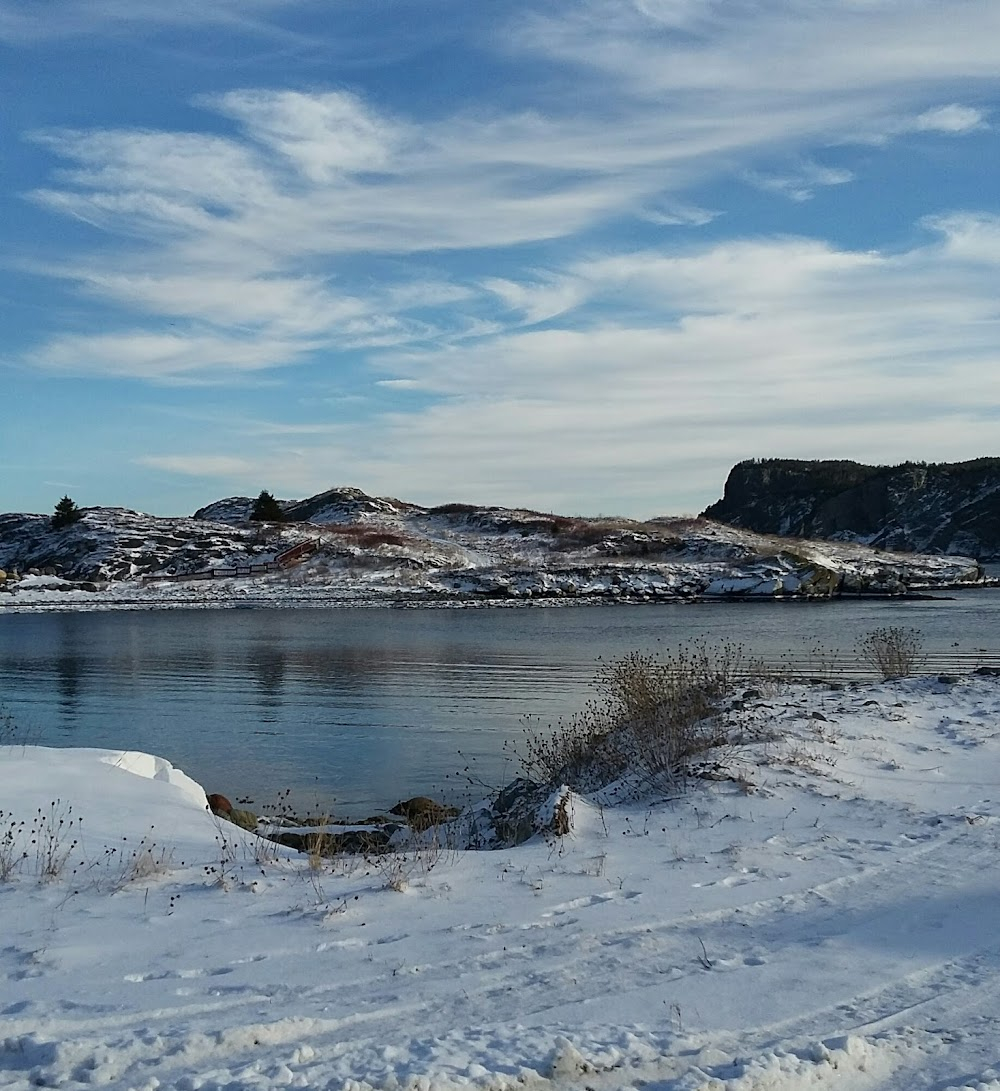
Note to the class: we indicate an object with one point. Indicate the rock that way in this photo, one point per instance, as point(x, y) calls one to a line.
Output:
point(246, 820)
point(944, 507)
point(518, 812)
point(353, 842)
point(948, 679)
point(990, 672)
point(422, 813)
point(218, 804)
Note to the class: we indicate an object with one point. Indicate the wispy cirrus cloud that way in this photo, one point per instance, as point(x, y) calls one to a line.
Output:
point(760, 346)
point(223, 229)
point(801, 183)
point(23, 21)
point(481, 257)
point(201, 465)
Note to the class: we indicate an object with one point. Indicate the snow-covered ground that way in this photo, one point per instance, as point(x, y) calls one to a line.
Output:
point(829, 918)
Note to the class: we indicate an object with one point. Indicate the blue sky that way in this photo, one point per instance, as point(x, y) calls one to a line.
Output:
point(581, 257)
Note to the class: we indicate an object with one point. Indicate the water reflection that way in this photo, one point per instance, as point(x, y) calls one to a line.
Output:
point(358, 708)
point(268, 669)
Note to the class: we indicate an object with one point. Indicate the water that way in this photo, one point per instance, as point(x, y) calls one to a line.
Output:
point(354, 709)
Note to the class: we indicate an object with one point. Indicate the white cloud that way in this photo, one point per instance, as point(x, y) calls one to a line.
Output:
point(161, 357)
point(539, 300)
point(248, 242)
point(200, 465)
point(953, 119)
point(801, 184)
point(27, 21)
point(969, 237)
point(768, 346)
point(325, 134)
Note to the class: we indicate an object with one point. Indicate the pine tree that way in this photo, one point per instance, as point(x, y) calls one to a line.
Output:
point(266, 509)
point(66, 513)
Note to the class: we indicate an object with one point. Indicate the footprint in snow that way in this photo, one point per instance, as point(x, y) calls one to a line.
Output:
point(181, 974)
point(589, 901)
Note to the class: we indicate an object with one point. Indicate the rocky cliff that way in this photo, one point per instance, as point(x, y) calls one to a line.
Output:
point(946, 507)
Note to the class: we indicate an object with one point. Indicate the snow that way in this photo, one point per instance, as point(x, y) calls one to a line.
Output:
point(824, 916)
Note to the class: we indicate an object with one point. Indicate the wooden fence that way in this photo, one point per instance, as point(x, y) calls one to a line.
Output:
point(286, 559)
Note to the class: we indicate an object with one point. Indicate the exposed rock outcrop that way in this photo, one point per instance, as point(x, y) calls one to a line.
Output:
point(922, 507)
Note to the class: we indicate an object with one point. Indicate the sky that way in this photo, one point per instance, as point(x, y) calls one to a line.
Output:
point(581, 257)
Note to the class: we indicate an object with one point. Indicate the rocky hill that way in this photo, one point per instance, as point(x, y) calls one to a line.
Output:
point(925, 507)
point(352, 547)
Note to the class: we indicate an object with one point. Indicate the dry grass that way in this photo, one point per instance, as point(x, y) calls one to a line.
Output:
point(893, 652)
point(650, 720)
point(42, 844)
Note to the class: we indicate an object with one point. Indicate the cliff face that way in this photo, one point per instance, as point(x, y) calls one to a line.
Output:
point(924, 507)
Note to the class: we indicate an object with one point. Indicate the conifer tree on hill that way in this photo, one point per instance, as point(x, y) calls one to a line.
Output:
point(66, 513)
point(266, 509)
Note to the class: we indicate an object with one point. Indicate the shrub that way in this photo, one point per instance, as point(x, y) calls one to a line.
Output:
point(365, 537)
point(893, 652)
point(453, 509)
point(651, 718)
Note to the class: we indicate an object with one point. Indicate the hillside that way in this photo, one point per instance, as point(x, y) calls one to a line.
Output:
point(361, 548)
point(925, 507)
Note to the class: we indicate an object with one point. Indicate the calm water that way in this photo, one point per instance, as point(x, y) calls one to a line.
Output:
point(355, 709)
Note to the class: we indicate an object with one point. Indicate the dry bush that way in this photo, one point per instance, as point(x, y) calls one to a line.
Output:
point(43, 843)
point(454, 509)
point(578, 533)
point(616, 537)
point(650, 720)
point(893, 652)
point(11, 733)
point(123, 865)
point(365, 537)
point(400, 864)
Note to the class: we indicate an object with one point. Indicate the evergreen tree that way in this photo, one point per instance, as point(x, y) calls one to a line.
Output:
point(66, 513)
point(266, 509)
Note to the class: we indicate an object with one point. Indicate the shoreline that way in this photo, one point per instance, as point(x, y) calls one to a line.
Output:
point(92, 603)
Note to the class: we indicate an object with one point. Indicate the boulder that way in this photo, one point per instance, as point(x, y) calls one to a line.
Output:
point(325, 843)
point(517, 813)
point(422, 813)
point(218, 804)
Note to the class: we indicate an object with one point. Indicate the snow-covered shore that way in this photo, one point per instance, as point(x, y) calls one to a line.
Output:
point(826, 919)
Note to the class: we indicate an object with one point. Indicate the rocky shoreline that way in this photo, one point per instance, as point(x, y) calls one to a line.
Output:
point(510, 817)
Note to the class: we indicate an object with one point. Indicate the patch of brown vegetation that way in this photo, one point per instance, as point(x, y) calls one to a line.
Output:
point(366, 537)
